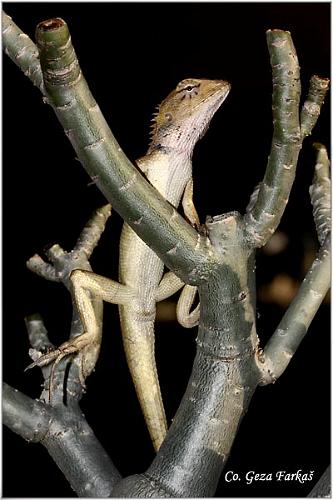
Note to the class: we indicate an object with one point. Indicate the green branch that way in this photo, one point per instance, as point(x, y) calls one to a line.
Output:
point(22, 51)
point(68, 439)
point(266, 208)
point(92, 231)
point(311, 108)
point(226, 371)
point(139, 203)
point(61, 384)
point(284, 342)
point(295, 323)
point(60, 425)
point(23, 415)
point(320, 193)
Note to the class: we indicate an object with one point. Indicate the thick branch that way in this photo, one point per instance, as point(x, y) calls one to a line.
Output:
point(67, 437)
point(23, 415)
point(225, 373)
point(79, 455)
point(224, 376)
point(139, 203)
point(146, 211)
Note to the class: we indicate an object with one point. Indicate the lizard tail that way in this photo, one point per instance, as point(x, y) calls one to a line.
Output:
point(138, 337)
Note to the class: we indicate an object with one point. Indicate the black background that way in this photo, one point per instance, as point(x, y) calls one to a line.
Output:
point(132, 55)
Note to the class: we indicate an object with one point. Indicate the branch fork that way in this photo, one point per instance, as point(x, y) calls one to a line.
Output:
point(229, 364)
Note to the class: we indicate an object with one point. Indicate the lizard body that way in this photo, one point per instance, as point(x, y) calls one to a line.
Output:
point(141, 270)
point(182, 118)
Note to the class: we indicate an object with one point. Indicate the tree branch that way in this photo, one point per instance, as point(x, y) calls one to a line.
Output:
point(63, 264)
point(223, 379)
point(37, 333)
point(139, 203)
point(68, 439)
point(40, 343)
point(284, 342)
point(320, 193)
point(92, 231)
point(22, 51)
point(295, 323)
point(23, 415)
point(45, 270)
point(311, 108)
point(60, 425)
point(266, 209)
point(225, 373)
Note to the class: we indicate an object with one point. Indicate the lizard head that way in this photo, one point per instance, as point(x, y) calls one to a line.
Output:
point(184, 115)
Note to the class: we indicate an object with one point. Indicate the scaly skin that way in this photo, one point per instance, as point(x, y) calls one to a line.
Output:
point(182, 119)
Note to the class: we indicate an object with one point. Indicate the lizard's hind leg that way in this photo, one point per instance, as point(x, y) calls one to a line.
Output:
point(67, 348)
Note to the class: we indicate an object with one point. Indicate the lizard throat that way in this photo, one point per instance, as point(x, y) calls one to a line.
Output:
point(175, 139)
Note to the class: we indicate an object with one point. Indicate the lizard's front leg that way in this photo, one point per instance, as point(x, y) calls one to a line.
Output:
point(190, 211)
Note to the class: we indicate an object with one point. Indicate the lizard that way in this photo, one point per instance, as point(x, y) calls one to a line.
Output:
point(181, 120)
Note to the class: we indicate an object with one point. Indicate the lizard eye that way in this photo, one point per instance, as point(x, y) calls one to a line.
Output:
point(187, 88)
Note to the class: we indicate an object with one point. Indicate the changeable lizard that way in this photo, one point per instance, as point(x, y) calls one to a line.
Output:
point(182, 118)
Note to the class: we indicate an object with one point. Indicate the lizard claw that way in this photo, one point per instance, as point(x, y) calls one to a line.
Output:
point(69, 347)
point(44, 359)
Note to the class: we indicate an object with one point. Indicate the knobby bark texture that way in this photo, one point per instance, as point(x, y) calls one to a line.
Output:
point(322, 488)
point(56, 420)
point(229, 364)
